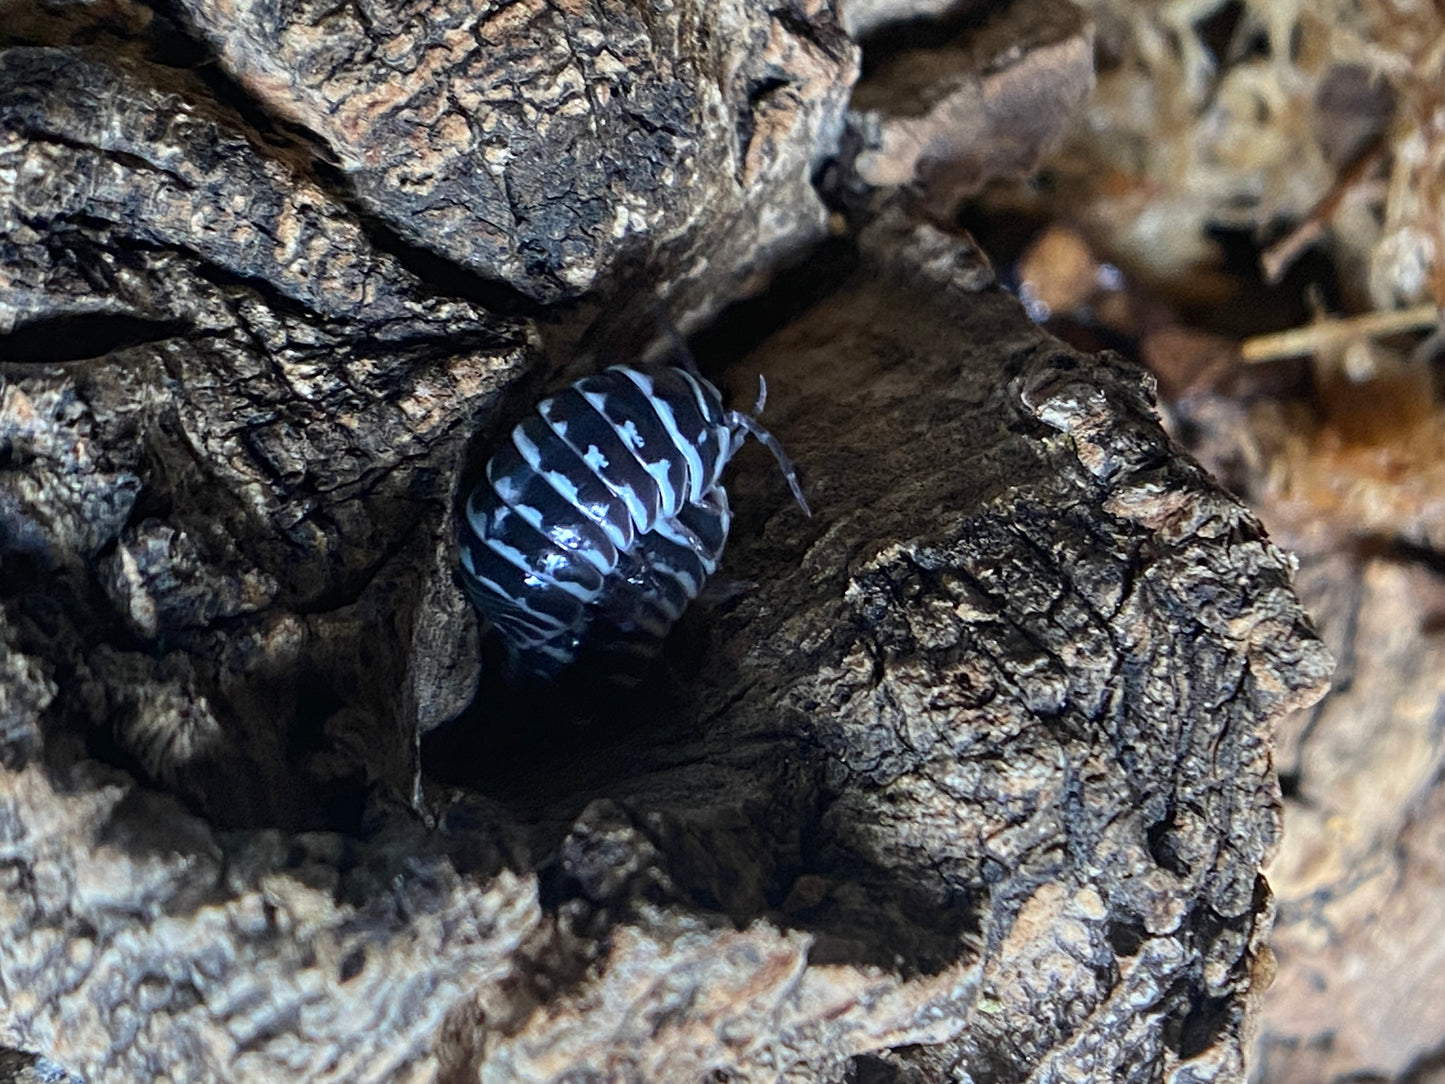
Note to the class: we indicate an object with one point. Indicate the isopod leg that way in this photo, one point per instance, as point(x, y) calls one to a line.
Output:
point(739, 420)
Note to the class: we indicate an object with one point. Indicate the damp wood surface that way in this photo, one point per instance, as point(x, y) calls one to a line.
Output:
point(973, 782)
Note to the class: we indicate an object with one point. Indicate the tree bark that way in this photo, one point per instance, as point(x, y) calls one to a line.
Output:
point(975, 783)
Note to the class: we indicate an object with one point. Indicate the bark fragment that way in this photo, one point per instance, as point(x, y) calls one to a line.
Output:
point(539, 144)
point(1358, 871)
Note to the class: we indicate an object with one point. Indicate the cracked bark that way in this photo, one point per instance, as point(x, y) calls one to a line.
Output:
point(975, 784)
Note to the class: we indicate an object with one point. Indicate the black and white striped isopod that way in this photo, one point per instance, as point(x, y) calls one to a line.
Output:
point(605, 513)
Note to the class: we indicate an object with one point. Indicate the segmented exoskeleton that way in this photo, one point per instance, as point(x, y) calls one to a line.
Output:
point(605, 513)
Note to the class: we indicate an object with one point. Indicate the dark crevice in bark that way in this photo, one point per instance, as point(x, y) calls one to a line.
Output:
point(442, 276)
point(82, 337)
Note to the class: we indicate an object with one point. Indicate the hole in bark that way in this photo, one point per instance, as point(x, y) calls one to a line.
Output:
point(777, 856)
point(1160, 837)
point(352, 964)
point(745, 324)
point(1203, 1026)
point(334, 803)
point(1126, 937)
point(82, 336)
point(511, 731)
point(531, 744)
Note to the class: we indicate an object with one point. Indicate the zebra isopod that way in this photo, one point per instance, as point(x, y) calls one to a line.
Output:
point(605, 513)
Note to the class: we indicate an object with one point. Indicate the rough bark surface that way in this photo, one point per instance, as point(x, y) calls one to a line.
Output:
point(1022, 589)
point(290, 384)
point(974, 784)
point(539, 143)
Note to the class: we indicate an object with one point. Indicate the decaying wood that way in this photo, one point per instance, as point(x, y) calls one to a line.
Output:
point(290, 387)
point(974, 784)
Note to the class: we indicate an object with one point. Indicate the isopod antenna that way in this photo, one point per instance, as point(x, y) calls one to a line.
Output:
point(736, 418)
point(749, 423)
